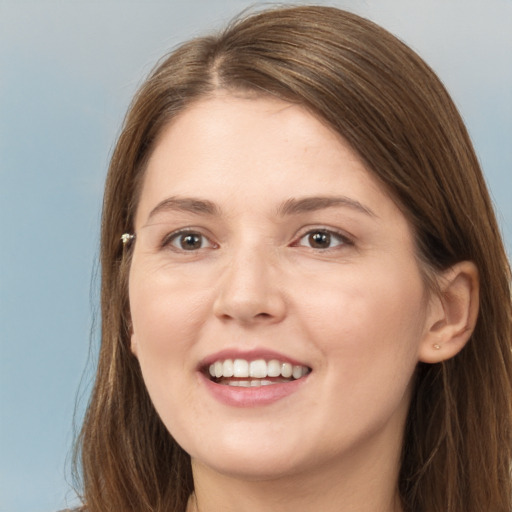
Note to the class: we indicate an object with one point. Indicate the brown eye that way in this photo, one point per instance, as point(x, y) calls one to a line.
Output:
point(322, 239)
point(319, 240)
point(188, 241)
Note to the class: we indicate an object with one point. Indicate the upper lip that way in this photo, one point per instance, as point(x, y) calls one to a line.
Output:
point(249, 355)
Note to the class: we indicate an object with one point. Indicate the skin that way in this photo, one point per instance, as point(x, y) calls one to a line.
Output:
point(356, 310)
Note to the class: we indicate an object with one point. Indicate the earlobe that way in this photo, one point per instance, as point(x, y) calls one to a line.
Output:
point(133, 341)
point(452, 314)
point(133, 345)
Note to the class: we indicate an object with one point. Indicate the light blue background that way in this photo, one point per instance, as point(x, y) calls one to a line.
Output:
point(67, 72)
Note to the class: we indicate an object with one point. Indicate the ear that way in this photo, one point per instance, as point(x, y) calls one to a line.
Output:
point(133, 341)
point(452, 314)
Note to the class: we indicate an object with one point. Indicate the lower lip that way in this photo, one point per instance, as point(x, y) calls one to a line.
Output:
point(252, 396)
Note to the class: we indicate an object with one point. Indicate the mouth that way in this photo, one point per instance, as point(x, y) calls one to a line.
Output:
point(254, 373)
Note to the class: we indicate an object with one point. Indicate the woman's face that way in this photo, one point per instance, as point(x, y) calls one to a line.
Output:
point(264, 247)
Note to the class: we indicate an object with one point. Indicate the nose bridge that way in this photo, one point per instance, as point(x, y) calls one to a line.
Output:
point(249, 289)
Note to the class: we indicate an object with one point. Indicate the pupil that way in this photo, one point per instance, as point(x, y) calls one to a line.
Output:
point(320, 240)
point(189, 242)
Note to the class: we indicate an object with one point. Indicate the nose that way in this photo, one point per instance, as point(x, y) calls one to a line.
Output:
point(250, 290)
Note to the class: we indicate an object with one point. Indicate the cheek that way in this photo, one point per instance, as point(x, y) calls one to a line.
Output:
point(367, 322)
point(167, 320)
point(165, 330)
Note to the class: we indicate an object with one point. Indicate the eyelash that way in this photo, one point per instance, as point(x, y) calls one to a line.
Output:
point(343, 239)
point(175, 236)
point(330, 234)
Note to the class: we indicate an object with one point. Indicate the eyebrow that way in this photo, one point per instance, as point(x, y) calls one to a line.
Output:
point(185, 204)
point(308, 204)
point(293, 206)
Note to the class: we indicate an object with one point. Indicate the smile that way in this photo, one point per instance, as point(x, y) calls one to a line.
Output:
point(255, 373)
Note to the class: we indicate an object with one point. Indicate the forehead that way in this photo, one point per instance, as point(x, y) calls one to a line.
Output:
point(253, 151)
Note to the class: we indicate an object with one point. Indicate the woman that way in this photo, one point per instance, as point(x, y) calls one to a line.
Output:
point(305, 298)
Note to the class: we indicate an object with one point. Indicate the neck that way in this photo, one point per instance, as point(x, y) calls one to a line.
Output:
point(366, 484)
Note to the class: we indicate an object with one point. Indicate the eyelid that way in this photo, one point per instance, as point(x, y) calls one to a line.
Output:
point(167, 240)
point(346, 239)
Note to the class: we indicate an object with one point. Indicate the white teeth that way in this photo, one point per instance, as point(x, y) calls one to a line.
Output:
point(297, 372)
point(273, 368)
point(255, 371)
point(286, 370)
point(247, 383)
point(228, 368)
point(258, 369)
point(241, 368)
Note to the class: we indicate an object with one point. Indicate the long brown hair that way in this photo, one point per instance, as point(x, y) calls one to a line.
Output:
point(389, 105)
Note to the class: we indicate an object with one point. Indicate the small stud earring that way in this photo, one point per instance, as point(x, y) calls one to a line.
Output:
point(126, 237)
point(436, 346)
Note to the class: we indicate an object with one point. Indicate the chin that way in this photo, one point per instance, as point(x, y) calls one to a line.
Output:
point(248, 458)
point(251, 468)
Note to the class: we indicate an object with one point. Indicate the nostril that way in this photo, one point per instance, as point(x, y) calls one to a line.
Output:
point(249, 312)
point(247, 294)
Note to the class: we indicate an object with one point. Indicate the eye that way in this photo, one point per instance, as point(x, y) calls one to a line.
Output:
point(322, 239)
point(187, 241)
